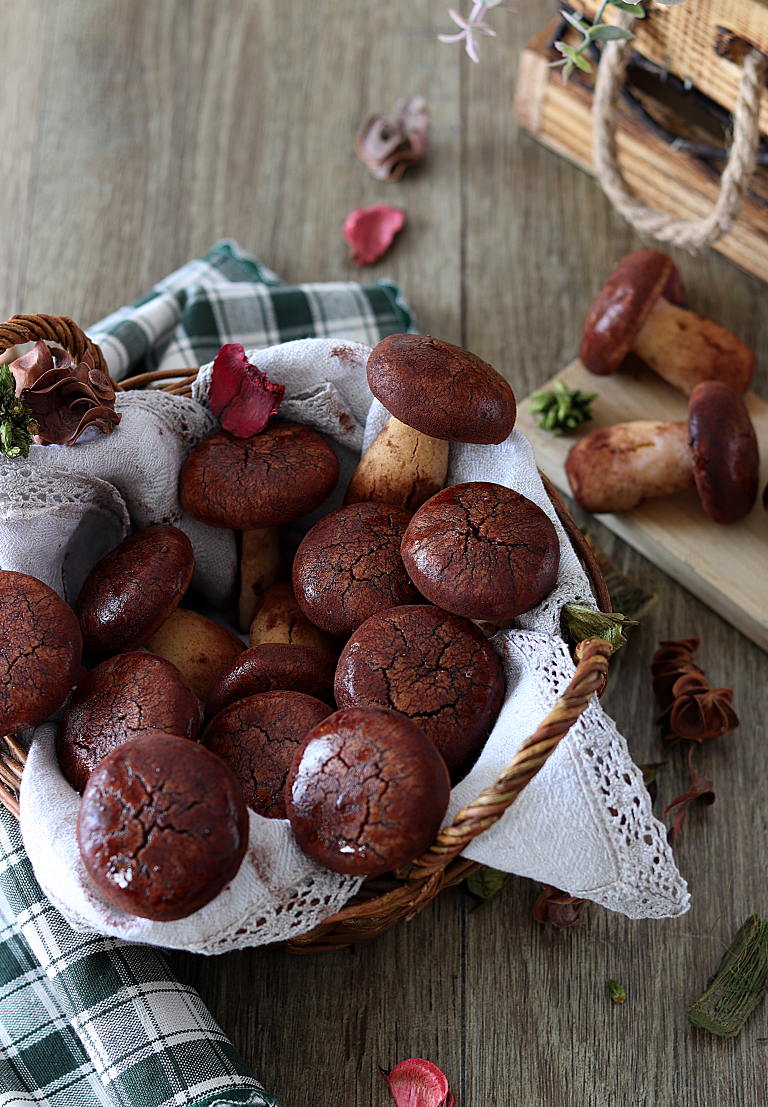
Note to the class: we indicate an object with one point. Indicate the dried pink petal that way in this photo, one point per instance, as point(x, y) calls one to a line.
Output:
point(388, 144)
point(418, 1083)
point(241, 396)
point(369, 231)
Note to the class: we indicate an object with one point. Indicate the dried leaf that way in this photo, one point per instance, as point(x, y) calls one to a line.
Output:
point(64, 398)
point(485, 882)
point(241, 396)
point(557, 907)
point(701, 788)
point(369, 232)
point(418, 1083)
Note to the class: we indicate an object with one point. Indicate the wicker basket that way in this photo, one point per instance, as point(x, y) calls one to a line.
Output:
point(380, 903)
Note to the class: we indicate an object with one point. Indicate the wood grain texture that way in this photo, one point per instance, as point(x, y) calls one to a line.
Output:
point(187, 120)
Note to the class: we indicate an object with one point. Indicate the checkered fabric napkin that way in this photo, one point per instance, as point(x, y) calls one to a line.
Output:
point(229, 296)
point(86, 1020)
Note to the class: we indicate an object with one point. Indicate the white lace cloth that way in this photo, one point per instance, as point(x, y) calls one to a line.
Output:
point(583, 824)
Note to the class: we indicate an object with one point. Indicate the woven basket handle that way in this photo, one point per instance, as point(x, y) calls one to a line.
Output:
point(592, 657)
point(52, 328)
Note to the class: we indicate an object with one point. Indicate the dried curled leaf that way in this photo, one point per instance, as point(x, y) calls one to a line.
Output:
point(691, 709)
point(701, 788)
point(388, 144)
point(557, 907)
point(63, 398)
point(241, 396)
point(418, 1083)
point(485, 883)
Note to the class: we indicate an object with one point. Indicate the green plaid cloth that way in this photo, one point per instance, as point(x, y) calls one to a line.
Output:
point(229, 296)
point(86, 1020)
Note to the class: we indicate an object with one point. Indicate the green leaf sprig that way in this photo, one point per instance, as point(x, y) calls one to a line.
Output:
point(561, 408)
point(15, 435)
point(596, 32)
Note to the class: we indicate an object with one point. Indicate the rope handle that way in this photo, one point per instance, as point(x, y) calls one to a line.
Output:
point(735, 178)
point(52, 328)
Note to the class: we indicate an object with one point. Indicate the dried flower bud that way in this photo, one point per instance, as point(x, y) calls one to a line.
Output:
point(388, 144)
point(557, 907)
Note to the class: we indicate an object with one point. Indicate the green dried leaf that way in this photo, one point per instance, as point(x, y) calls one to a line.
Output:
point(606, 33)
point(15, 418)
point(562, 408)
point(485, 882)
point(618, 991)
point(739, 984)
point(650, 772)
point(632, 9)
point(585, 622)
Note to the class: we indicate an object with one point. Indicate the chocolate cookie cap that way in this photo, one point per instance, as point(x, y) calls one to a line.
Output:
point(40, 648)
point(482, 550)
point(258, 738)
point(272, 667)
point(441, 390)
point(130, 593)
point(272, 478)
point(724, 450)
point(367, 791)
point(162, 827)
point(434, 667)
point(348, 567)
point(125, 697)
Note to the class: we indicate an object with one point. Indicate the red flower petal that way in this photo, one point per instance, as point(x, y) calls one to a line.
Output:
point(241, 395)
point(369, 231)
point(418, 1083)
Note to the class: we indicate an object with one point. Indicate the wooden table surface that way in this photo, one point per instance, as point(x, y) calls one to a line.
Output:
point(136, 135)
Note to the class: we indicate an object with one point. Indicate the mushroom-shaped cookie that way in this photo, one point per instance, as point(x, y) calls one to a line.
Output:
point(125, 697)
point(259, 738)
point(130, 593)
point(640, 308)
point(615, 468)
point(162, 827)
point(436, 668)
point(40, 648)
point(274, 667)
point(436, 393)
point(348, 567)
point(257, 484)
point(482, 550)
point(367, 791)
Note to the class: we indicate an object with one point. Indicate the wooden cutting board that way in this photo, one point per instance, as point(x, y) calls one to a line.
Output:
point(725, 567)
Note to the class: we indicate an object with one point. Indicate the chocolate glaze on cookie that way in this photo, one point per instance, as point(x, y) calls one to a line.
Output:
point(40, 648)
point(130, 593)
point(482, 550)
point(348, 567)
point(367, 792)
point(259, 738)
point(273, 667)
point(434, 667)
point(125, 697)
point(162, 827)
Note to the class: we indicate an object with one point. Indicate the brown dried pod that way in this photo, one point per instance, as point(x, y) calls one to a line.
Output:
point(64, 397)
point(389, 143)
point(558, 908)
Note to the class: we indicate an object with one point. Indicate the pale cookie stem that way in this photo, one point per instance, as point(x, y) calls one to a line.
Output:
point(402, 467)
point(261, 565)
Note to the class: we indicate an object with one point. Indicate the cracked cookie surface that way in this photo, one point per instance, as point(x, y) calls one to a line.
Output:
point(482, 550)
point(367, 792)
point(124, 697)
point(40, 648)
point(348, 567)
point(434, 667)
point(272, 478)
point(274, 667)
point(258, 738)
point(130, 593)
point(162, 827)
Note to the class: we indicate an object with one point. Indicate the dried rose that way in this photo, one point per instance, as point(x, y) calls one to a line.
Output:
point(701, 788)
point(241, 396)
point(369, 232)
point(418, 1083)
point(388, 144)
point(558, 908)
point(62, 397)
